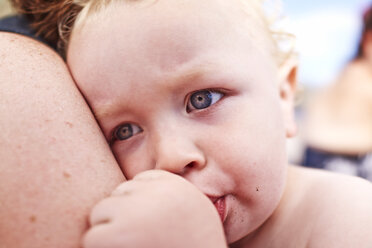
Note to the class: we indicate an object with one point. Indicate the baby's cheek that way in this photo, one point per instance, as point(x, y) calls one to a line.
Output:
point(133, 163)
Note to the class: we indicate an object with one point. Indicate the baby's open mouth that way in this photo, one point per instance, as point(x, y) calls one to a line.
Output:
point(220, 205)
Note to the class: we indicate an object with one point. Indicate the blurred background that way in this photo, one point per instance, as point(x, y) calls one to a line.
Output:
point(4, 7)
point(327, 36)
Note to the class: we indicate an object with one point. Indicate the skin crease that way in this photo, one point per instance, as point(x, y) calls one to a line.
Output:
point(221, 149)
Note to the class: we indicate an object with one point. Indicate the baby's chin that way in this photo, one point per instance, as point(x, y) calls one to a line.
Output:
point(240, 223)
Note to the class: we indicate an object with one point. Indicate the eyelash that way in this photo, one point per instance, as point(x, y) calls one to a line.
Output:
point(210, 102)
point(135, 130)
point(189, 108)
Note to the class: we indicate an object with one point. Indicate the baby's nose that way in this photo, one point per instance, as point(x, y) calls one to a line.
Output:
point(178, 154)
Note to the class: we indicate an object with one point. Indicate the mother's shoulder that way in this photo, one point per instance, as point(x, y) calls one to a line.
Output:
point(19, 53)
point(13, 42)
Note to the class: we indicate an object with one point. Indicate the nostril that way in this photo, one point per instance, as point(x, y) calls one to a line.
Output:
point(190, 165)
point(187, 168)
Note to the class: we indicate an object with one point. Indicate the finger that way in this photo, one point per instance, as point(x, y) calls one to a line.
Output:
point(125, 189)
point(96, 237)
point(151, 175)
point(105, 211)
point(154, 175)
point(141, 181)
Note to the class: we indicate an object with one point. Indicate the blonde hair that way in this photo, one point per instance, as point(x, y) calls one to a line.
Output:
point(54, 20)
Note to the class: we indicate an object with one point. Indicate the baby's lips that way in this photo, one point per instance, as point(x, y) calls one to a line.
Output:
point(213, 198)
point(220, 205)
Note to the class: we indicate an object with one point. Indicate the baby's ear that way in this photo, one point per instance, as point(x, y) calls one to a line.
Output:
point(287, 90)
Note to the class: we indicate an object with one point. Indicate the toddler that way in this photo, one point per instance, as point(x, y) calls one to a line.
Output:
point(201, 89)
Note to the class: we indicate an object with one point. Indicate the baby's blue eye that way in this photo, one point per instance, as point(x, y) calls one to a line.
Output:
point(126, 131)
point(203, 99)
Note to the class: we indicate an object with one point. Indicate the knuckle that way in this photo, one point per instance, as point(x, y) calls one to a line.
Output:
point(124, 189)
point(103, 212)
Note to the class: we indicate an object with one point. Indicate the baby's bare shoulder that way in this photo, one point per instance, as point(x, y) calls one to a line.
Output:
point(342, 209)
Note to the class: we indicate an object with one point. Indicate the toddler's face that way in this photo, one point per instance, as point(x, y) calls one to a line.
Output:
point(177, 86)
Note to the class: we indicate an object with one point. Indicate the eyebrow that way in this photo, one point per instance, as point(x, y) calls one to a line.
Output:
point(177, 81)
point(193, 72)
point(107, 110)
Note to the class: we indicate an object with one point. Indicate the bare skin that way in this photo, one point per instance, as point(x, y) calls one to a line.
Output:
point(340, 118)
point(310, 208)
point(155, 209)
point(55, 164)
point(146, 108)
point(318, 209)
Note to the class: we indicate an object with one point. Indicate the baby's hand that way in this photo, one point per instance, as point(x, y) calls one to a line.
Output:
point(155, 209)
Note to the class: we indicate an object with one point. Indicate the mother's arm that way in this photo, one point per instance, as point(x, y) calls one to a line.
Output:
point(54, 162)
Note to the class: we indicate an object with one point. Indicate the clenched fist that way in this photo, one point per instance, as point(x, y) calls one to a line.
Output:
point(155, 209)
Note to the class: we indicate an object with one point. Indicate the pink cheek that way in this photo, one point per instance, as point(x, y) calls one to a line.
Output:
point(123, 164)
point(131, 166)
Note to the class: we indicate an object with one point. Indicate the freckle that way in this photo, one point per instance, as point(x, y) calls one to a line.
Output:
point(66, 174)
point(32, 218)
point(47, 120)
point(69, 124)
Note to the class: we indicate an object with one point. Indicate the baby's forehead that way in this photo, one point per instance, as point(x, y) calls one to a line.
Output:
point(165, 35)
point(128, 47)
point(159, 15)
